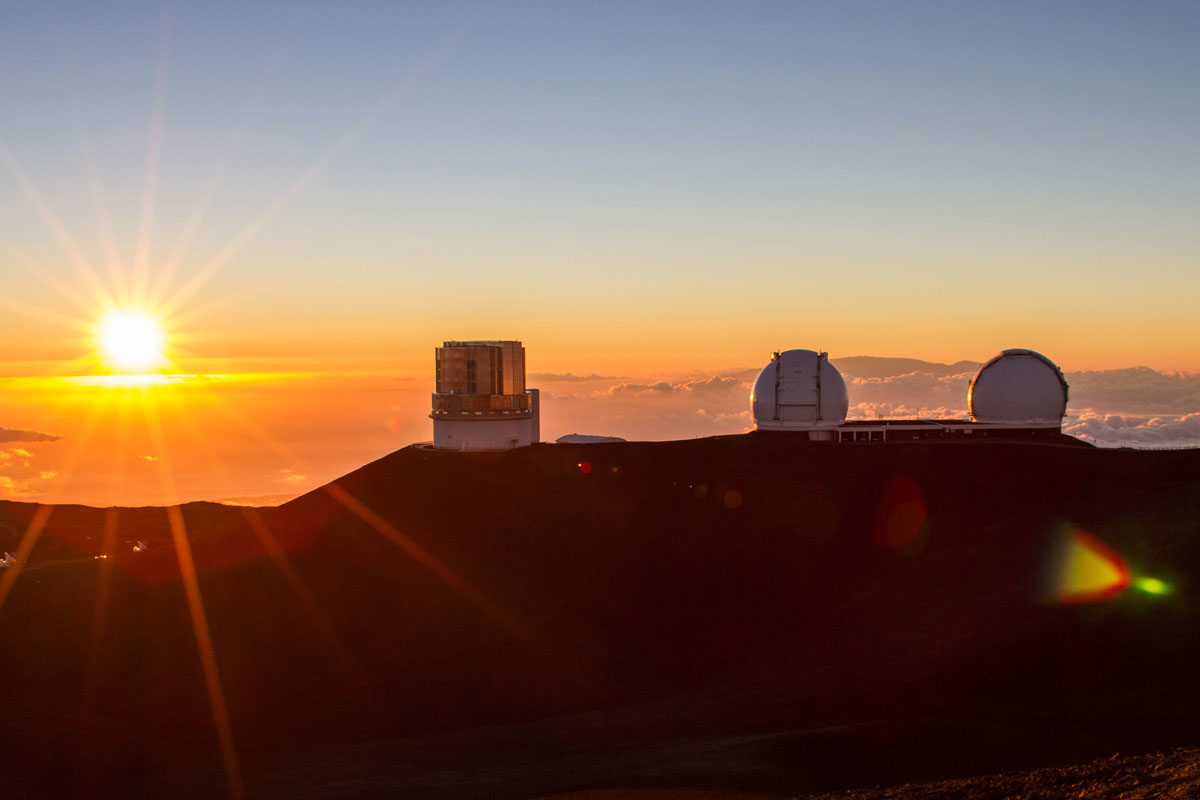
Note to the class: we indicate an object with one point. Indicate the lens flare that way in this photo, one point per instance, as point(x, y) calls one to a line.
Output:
point(903, 523)
point(1153, 586)
point(1089, 570)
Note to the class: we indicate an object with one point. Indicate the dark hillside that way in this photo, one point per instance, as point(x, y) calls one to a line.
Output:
point(755, 612)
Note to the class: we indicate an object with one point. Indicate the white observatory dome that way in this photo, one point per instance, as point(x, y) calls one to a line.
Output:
point(799, 390)
point(1018, 386)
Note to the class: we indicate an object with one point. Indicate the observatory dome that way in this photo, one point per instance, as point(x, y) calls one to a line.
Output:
point(1018, 386)
point(799, 390)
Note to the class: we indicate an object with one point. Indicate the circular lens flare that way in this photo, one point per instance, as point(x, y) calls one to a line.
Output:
point(132, 341)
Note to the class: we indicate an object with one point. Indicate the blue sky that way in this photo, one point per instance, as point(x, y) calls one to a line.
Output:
point(672, 160)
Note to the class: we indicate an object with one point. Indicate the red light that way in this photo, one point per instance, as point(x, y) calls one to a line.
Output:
point(585, 467)
point(903, 521)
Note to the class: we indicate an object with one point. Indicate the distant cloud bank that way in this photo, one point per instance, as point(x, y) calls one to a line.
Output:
point(1137, 390)
point(1134, 407)
point(566, 377)
point(1118, 430)
point(13, 435)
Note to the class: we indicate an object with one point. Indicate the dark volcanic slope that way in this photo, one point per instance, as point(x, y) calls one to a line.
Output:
point(757, 612)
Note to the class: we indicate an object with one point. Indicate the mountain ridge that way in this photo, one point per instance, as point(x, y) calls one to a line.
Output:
point(752, 585)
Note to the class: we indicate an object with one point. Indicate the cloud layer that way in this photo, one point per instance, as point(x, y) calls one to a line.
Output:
point(20, 477)
point(1137, 390)
point(1118, 430)
point(668, 408)
point(1137, 406)
point(566, 377)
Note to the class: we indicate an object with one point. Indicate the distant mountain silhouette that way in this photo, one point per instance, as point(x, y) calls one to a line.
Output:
point(755, 612)
point(879, 367)
point(258, 500)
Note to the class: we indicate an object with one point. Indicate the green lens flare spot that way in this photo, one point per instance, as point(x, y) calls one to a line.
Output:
point(1152, 586)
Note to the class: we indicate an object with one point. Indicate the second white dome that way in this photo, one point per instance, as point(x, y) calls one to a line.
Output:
point(1018, 386)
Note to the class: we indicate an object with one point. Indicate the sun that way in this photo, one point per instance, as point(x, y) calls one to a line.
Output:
point(132, 340)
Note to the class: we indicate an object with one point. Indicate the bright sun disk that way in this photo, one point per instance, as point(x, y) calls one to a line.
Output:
point(132, 340)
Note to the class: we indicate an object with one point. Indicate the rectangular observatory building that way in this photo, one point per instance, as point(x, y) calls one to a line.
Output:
point(480, 401)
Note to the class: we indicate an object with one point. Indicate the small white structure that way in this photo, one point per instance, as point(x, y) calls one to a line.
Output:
point(480, 401)
point(800, 390)
point(1018, 387)
point(586, 438)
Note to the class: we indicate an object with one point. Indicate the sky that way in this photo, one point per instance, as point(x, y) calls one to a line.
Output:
point(312, 196)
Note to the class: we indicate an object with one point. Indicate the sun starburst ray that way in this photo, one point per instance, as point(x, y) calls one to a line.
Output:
point(116, 272)
point(208, 656)
point(195, 603)
point(278, 448)
point(141, 259)
point(40, 313)
point(82, 302)
point(415, 551)
point(37, 524)
point(29, 538)
point(166, 275)
point(198, 313)
point(268, 541)
point(107, 545)
point(429, 562)
point(74, 255)
point(108, 541)
point(285, 198)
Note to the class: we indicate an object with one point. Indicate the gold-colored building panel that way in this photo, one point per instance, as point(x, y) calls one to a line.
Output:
point(480, 367)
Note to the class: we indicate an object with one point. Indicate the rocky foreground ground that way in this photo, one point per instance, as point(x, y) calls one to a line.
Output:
point(1173, 775)
point(747, 614)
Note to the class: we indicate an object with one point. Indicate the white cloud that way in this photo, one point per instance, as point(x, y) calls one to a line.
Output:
point(680, 407)
point(1120, 430)
point(1135, 406)
point(718, 384)
point(22, 478)
point(291, 476)
point(662, 387)
point(16, 489)
point(910, 394)
point(719, 416)
point(903, 411)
